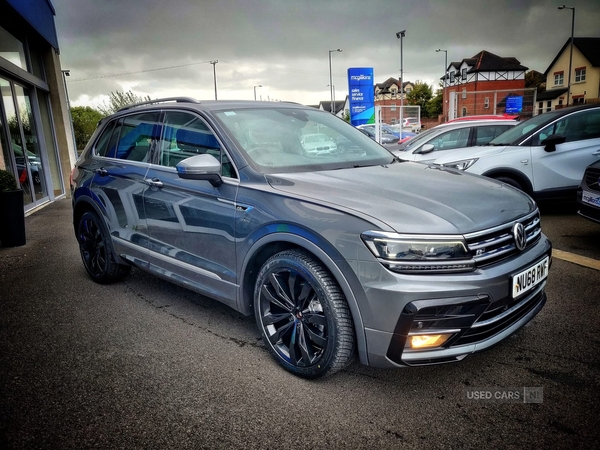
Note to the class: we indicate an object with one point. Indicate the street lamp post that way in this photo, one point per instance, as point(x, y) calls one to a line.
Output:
point(445, 78)
point(572, 8)
point(214, 63)
point(258, 85)
point(331, 80)
point(400, 35)
point(329, 85)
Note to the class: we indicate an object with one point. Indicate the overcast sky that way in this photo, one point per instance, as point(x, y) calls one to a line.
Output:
point(163, 48)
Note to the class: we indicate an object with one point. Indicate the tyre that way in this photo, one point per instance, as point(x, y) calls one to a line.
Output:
point(511, 182)
point(303, 316)
point(97, 252)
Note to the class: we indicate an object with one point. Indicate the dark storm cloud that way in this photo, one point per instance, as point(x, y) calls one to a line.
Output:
point(283, 45)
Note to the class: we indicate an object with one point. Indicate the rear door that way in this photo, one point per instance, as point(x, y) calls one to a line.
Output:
point(122, 156)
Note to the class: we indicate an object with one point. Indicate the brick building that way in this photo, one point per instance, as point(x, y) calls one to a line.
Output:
point(480, 85)
point(387, 95)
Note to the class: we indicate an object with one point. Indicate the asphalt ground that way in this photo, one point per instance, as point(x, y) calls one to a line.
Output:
point(143, 364)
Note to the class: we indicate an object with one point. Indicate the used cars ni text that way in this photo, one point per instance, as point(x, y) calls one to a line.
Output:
point(336, 254)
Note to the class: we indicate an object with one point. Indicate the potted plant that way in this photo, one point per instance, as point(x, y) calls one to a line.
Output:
point(12, 225)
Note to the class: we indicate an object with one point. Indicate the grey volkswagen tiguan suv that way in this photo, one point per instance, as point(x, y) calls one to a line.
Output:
point(337, 253)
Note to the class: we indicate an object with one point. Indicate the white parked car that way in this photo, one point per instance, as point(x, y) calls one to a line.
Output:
point(544, 156)
point(318, 143)
point(443, 139)
point(412, 123)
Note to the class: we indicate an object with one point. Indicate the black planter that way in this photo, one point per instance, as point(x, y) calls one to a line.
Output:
point(12, 222)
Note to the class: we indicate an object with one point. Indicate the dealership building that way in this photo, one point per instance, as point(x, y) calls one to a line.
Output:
point(36, 135)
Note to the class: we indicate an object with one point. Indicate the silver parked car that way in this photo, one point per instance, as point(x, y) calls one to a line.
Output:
point(443, 139)
point(335, 254)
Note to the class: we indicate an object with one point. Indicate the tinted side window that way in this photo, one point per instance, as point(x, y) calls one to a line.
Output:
point(575, 127)
point(451, 139)
point(138, 135)
point(186, 135)
point(483, 135)
point(102, 145)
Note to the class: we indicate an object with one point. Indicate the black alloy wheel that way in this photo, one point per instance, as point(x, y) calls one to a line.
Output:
point(303, 315)
point(96, 251)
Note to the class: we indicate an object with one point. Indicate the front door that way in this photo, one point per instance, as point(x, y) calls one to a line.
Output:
point(191, 222)
point(564, 167)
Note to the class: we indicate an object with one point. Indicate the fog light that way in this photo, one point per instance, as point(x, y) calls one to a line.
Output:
point(427, 340)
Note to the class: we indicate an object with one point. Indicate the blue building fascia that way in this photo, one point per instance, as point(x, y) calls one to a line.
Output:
point(40, 15)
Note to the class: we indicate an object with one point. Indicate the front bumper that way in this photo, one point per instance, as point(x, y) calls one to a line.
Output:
point(477, 310)
point(589, 212)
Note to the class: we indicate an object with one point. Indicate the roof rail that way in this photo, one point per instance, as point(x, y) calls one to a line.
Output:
point(160, 100)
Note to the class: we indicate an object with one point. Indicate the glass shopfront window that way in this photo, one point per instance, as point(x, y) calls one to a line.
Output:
point(23, 140)
point(12, 49)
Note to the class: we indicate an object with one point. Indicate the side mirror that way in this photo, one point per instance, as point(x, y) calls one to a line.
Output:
point(552, 141)
point(427, 148)
point(201, 167)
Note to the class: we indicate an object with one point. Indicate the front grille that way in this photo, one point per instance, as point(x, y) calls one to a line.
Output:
point(496, 244)
point(592, 179)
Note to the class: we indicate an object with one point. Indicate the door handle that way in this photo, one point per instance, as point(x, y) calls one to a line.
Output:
point(154, 182)
point(101, 171)
point(596, 153)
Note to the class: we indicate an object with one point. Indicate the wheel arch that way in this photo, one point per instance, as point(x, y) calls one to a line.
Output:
point(511, 173)
point(82, 205)
point(274, 243)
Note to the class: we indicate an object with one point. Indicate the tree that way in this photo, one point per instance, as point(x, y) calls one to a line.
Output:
point(420, 95)
point(346, 115)
point(118, 99)
point(535, 79)
point(435, 106)
point(85, 120)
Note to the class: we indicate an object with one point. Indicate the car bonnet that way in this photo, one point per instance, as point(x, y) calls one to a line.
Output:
point(410, 197)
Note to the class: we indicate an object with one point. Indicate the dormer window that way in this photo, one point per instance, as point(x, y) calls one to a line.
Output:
point(464, 74)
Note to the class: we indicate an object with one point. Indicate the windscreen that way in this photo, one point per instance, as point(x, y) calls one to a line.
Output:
point(284, 139)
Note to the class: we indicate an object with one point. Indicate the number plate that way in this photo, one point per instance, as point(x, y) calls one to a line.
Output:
point(529, 278)
point(590, 198)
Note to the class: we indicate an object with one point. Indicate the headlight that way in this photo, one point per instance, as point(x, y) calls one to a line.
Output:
point(419, 253)
point(461, 165)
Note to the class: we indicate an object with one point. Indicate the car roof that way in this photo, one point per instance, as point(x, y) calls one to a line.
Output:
point(471, 123)
point(485, 117)
point(177, 102)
